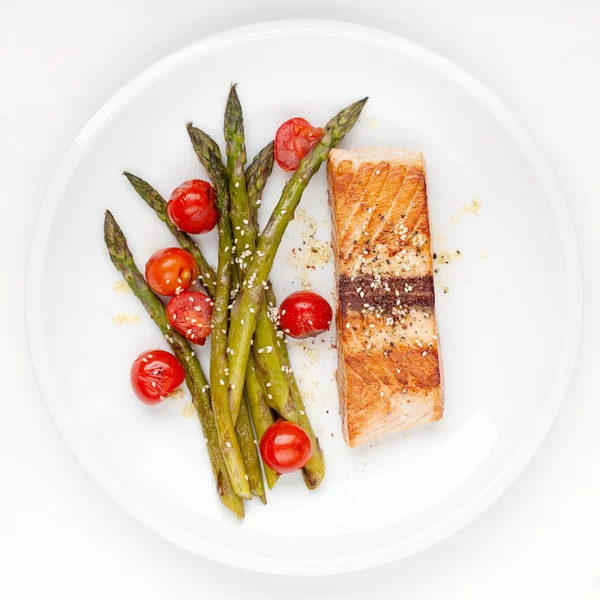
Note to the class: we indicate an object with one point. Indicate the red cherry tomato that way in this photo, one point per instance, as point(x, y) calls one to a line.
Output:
point(305, 314)
point(293, 141)
point(171, 271)
point(285, 447)
point(155, 375)
point(190, 313)
point(192, 206)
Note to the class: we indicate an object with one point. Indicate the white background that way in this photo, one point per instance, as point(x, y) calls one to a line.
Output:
point(59, 534)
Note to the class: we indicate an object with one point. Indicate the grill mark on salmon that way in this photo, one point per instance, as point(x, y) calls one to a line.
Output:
point(389, 371)
point(389, 295)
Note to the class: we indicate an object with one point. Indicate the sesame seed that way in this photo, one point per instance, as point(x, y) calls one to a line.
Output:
point(221, 382)
point(269, 397)
point(283, 211)
point(237, 184)
point(424, 353)
point(242, 321)
point(228, 444)
point(154, 384)
point(268, 384)
point(233, 386)
point(381, 394)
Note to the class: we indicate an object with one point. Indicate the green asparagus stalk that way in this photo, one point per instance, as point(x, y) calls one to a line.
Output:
point(218, 352)
point(196, 381)
point(249, 447)
point(243, 426)
point(262, 415)
point(314, 470)
point(256, 178)
point(242, 220)
point(252, 293)
point(270, 366)
point(156, 202)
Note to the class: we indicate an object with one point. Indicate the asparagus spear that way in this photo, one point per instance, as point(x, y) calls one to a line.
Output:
point(218, 348)
point(249, 447)
point(268, 361)
point(243, 427)
point(314, 470)
point(256, 177)
point(196, 381)
point(262, 415)
point(155, 201)
point(252, 293)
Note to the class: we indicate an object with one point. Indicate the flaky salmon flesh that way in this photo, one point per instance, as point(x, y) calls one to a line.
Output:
point(389, 371)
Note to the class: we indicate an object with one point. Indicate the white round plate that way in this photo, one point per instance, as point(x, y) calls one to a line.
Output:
point(509, 322)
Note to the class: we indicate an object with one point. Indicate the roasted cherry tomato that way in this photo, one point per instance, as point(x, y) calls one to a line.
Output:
point(171, 271)
point(285, 447)
point(293, 141)
point(190, 314)
point(305, 314)
point(155, 375)
point(192, 206)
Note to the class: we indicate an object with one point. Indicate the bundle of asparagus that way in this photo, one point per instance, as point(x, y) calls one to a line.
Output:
point(246, 384)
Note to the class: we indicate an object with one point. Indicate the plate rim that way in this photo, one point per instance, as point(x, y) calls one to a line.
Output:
point(93, 467)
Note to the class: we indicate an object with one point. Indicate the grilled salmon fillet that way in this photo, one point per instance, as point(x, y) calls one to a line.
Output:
point(389, 372)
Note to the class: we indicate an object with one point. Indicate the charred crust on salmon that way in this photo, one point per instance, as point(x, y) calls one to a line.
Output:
point(389, 296)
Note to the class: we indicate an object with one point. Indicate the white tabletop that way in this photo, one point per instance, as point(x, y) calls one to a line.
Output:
point(59, 534)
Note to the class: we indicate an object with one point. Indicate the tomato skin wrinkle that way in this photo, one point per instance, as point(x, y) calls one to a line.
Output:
point(305, 314)
point(190, 314)
point(192, 206)
point(293, 141)
point(285, 447)
point(154, 375)
point(171, 271)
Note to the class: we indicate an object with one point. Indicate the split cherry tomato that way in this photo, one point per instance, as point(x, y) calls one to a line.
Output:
point(293, 141)
point(192, 206)
point(155, 375)
point(171, 271)
point(190, 313)
point(305, 314)
point(285, 447)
